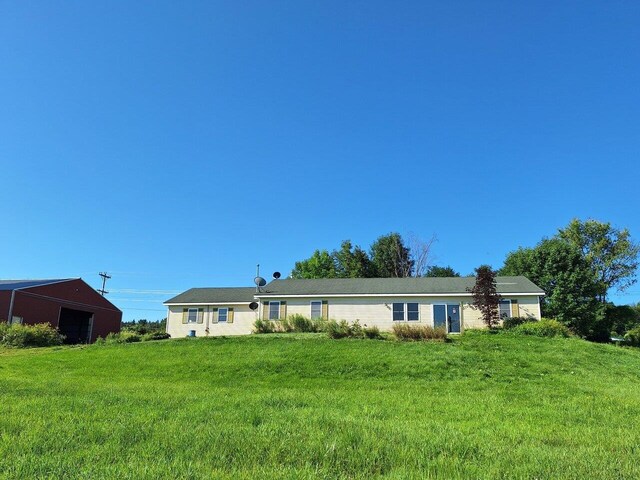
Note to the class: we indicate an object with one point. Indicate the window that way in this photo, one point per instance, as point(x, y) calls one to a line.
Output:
point(505, 308)
point(413, 314)
point(222, 314)
point(398, 312)
point(274, 310)
point(316, 309)
point(192, 316)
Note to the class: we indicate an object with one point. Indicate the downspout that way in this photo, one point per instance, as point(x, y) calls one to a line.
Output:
point(9, 319)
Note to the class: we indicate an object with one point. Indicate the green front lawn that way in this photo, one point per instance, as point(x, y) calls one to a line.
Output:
point(304, 406)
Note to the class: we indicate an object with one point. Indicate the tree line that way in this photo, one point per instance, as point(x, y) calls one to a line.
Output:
point(390, 256)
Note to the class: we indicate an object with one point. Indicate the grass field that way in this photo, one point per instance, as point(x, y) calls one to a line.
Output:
point(269, 406)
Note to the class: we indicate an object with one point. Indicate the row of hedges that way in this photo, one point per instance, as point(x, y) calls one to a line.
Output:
point(293, 323)
point(343, 329)
point(22, 336)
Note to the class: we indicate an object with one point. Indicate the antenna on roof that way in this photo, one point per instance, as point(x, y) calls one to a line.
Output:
point(276, 275)
point(259, 281)
point(105, 277)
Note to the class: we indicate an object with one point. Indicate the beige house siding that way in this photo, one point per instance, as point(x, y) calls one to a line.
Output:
point(377, 311)
point(243, 319)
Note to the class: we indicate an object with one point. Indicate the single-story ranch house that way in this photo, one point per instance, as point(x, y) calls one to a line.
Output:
point(372, 301)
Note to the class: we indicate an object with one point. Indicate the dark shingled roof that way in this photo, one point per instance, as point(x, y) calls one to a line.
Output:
point(15, 284)
point(215, 295)
point(393, 286)
point(351, 286)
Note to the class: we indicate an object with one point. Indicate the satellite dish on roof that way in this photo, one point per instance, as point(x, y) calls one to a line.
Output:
point(259, 281)
point(253, 305)
point(276, 275)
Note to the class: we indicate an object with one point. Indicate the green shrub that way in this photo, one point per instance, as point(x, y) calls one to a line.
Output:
point(21, 336)
point(544, 328)
point(372, 332)
point(294, 323)
point(155, 336)
point(267, 326)
point(355, 330)
point(512, 322)
point(338, 329)
point(123, 337)
point(632, 337)
point(405, 331)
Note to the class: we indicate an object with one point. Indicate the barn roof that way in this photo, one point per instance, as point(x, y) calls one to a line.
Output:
point(18, 284)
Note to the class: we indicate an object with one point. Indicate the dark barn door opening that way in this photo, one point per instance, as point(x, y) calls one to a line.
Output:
point(75, 325)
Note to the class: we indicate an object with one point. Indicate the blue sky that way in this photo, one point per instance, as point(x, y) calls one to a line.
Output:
point(178, 144)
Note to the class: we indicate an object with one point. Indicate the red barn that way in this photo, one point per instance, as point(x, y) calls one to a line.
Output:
point(71, 305)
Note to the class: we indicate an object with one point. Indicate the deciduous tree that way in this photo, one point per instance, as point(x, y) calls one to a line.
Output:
point(610, 252)
point(485, 295)
point(567, 279)
point(391, 257)
point(352, 262)
point(320, 265)
point(435, 271)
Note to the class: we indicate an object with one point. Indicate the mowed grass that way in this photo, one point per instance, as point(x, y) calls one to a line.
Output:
point(285, 406)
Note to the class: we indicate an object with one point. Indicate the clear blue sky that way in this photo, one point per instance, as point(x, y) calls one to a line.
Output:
point(177, 144)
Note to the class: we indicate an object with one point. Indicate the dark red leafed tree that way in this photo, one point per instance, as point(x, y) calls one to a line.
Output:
point(485, 296)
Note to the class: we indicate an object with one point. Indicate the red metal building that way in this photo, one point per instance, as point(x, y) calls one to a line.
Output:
point(71, 305)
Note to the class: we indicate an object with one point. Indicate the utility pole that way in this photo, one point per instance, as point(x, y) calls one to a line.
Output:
point(105, 277)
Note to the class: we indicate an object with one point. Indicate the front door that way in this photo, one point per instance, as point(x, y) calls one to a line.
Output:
point(453, 317)
point(440, 316)
point(447, 316)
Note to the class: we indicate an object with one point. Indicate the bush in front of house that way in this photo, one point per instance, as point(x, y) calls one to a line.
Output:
point(372, 333)
point(512, 322)
point(22, 336)
point(544, 328)
point(340, 329)
point(264, 326)
point(344, 329)
point(300, 323)
point(293, 323)
point(407, 332)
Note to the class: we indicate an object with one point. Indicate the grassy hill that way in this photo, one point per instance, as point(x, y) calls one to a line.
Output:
point(482, 406)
